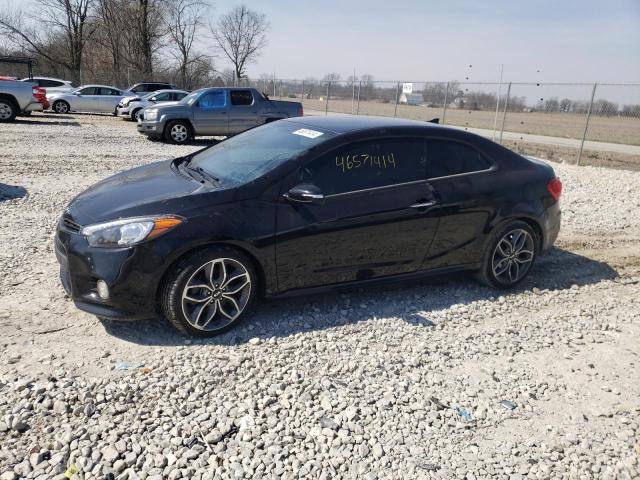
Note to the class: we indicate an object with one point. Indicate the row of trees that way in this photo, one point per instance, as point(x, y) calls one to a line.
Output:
point(123, 41)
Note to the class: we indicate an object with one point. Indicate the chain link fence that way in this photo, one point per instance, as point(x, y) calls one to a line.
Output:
point(579, 123)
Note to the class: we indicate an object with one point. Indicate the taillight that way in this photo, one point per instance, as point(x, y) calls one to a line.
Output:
point(301, 111)
point(555, 188)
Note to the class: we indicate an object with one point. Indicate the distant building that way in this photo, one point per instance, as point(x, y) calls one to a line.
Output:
point(411, 99)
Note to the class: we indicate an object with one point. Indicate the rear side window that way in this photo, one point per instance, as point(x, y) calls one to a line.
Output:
point(241, 97)
point(49, 83)
point(367, 164)
point(451, 158)
point(108, 91)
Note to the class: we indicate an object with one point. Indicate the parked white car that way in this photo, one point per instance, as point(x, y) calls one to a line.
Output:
point(87, 98)
point(130, 108)
point(53, 86)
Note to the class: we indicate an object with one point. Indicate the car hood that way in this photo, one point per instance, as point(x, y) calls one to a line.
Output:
point(154, 189)
point(169, 107)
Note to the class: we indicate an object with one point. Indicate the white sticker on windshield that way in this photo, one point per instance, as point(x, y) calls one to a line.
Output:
point(305, 132)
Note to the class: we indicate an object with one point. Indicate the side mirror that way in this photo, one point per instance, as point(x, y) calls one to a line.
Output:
point(153, 99)
point(77, 94)
point(305, 193)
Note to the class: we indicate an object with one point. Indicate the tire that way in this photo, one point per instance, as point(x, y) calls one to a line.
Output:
point(511, 252)
point(178, 132)
point(60, 106)
point(8, 110)
point(135, 114)
point(198, 306)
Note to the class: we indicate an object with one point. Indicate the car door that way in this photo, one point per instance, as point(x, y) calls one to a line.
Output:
point(210, 113)
point(243, 113)
point(463, 181)
point(374, 219)
point(86, 100)
point(109, 99)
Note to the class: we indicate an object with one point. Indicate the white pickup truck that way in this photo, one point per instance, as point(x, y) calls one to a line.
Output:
point(17, 98)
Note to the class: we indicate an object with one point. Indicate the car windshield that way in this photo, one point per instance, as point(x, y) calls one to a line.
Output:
point(251, 154)
point(189, 99)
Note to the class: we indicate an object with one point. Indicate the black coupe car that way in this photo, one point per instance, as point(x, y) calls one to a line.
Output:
point(303, 205)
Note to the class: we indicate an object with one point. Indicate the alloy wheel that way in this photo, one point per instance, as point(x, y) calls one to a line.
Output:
point(61, 107)
point(216, 294)
point(5, 111)
point(513, 256)
point(179, 133)
point(137, 114)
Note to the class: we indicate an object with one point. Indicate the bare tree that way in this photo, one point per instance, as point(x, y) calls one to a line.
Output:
point(184, 20)
point(241, 34)
point(109, 34)
point(68, 20)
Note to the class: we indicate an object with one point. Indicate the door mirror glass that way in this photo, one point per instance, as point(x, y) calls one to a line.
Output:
point(305, 193)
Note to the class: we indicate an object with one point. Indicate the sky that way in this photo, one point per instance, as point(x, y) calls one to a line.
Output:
point(440, 40)
point(412, 40)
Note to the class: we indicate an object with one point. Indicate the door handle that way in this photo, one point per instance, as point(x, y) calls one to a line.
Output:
point(430, 203)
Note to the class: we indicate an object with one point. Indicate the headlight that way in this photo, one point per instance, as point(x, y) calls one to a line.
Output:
point(128, 231)
point(151, 114)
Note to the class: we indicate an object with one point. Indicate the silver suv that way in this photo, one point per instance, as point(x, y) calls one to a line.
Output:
point(213, 112)
point(130, 108)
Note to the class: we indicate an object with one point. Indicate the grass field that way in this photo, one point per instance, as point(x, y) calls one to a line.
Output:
point(565, 125)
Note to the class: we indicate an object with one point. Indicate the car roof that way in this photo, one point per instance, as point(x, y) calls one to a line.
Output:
point(167, 90)
point(48, 78)
point(94, 85)
point(352, 123)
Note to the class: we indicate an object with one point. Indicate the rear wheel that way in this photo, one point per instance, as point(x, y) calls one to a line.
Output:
point(8, 110)
point(60, 106)
point(510, 256)
point(177, 131)
point(209, 292)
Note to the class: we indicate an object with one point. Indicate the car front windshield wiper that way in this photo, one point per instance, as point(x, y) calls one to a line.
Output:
point(202, 173)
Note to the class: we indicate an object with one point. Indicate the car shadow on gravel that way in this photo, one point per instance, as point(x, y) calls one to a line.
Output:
point(11, 192)
point(410, 302)
point(31, 121)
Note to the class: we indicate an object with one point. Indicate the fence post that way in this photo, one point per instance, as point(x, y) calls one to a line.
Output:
point(444, 107)
point(586, 125)
point(504, 114)
point(326, 104)
point(395, 111)
point(358, 107)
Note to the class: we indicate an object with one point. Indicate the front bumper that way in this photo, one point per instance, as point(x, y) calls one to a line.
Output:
point(130, 273)
point(123, 111)
point(152, 129)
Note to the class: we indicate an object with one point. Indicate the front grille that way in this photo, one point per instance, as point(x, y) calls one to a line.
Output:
point(69, 225)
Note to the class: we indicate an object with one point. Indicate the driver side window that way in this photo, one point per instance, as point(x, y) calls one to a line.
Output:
point(213, 99)
point(367, 164)
point(89, 91)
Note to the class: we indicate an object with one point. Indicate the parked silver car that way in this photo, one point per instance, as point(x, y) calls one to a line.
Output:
point(87, 98)
point(213, 112)
point(53, 86)
point(130, 108)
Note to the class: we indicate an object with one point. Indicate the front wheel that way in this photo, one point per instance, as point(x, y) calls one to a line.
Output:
point(510, 256)
point(61, 107)
point(135, 115)
point(209, 291)
point(177, 131)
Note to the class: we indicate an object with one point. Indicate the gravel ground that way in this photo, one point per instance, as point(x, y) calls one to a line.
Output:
point(400, 382)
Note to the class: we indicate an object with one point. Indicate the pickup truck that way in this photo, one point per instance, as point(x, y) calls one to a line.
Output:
point(213, 112)
point(18, 98)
